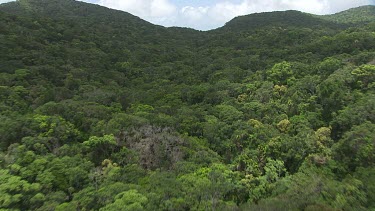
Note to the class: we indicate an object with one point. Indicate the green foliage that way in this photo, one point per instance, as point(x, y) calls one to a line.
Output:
point(365, 76)
point(281, 73)
point(18, 193)
point(357, 15)
point(365, 176)
point(100, 110)
point(101, 147)
point(359, 143)
point(128, 200)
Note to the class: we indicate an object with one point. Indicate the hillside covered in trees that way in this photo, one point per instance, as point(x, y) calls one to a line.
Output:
point(101, 110)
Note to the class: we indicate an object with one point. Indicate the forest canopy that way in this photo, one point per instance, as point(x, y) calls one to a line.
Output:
point(101, 110)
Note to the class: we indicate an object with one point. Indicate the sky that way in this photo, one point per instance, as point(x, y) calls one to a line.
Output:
point(210, 14)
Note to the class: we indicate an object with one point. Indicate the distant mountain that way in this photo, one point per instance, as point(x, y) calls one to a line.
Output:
point(124, 37)
point(355, 15)
point(292, 18)
point(89, 16)
point(110, 31)
point(69, 9)
point(289, 18)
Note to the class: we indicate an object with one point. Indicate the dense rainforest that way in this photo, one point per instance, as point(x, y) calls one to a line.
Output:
point(101, 110)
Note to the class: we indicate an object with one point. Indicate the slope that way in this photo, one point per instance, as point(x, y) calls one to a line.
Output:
point(357, 15)
point(278, 19)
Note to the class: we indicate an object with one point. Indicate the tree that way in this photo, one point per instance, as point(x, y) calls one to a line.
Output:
point(56, 130)
point(360, 144)
point(281, 73)
point(101, 148)
point(130, 200)
point(365, 75)
point(16, 193)
point(206, 188)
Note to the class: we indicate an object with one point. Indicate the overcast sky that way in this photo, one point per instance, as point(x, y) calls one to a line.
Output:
point(209, 14)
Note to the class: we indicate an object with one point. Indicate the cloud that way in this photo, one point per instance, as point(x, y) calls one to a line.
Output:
point(165, 12)
point(340, 5)
point(4, 1)
point(151, 10)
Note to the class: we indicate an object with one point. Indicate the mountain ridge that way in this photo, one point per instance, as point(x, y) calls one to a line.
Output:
point(278, 18)
point(361, 14)
point(70, 9)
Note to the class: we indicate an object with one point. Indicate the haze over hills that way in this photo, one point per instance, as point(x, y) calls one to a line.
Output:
point(101, 110)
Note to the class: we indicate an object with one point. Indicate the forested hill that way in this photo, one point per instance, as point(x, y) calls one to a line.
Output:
point(70, 9)
point(101, 110)
point(289, 18)
point(357, 15)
